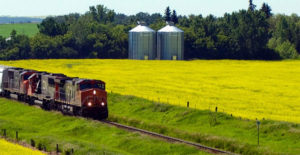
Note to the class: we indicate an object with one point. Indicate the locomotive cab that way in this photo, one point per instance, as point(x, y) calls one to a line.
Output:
point(93, 98)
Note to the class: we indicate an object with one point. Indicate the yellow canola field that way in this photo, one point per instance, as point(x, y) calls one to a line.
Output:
point(7, 148)
point(250, 89)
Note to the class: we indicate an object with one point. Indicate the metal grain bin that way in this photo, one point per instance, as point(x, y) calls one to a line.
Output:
point(142, 43)
point(170, 43)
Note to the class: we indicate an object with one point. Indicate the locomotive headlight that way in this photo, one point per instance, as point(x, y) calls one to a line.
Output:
point(89, 104)
point(103, 104)
point(94, 92)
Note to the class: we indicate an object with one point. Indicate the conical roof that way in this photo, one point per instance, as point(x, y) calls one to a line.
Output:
point(170, 28)
point(142, 28)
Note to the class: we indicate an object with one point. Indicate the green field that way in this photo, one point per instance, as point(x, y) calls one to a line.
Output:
point(84, 136)
point(29, 29)
point(14, 149)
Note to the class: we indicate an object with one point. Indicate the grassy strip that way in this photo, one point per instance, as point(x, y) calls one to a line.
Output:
point(15, 149)
point(213, 129)
point(84, 136)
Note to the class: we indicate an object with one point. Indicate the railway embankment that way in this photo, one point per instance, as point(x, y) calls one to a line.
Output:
point(84, 136)
point(214, 129)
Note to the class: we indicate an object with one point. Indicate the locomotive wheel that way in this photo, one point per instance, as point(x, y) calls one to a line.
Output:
point(52, 105)
point(31, 101)
point(7, 94)
point(77, 111)
point(27, 99)
point(46, 105)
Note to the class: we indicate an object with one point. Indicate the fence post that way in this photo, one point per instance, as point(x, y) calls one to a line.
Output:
point(17, 136)
point(188, 104)
point(57, 148)
point(4, 133)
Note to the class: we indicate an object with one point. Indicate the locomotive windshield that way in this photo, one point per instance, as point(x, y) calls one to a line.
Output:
point(26, 77)
point(90, 85)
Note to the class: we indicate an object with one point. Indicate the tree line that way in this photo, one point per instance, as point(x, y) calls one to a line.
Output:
point(102, 33)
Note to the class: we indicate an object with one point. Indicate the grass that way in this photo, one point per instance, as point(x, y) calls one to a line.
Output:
point(84, 136)
point(29, 29)
point(218, 130)
point(14, 149)
point(247, 89)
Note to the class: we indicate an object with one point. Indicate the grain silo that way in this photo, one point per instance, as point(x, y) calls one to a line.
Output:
point(170, 43)
point(142, 42)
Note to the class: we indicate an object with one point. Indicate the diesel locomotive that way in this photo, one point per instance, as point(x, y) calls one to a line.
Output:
point(70, 95)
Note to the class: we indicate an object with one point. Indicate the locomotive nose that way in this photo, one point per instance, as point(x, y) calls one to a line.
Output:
point(94, 98)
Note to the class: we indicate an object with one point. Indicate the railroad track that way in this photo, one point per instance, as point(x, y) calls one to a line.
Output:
point(171, 139)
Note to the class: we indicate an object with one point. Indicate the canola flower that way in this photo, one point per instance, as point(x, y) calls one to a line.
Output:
point(248, 89)
point(7, 148)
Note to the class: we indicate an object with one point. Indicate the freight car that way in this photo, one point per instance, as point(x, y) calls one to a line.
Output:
point(74, 96)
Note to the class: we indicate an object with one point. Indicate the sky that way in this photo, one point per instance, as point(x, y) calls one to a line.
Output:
point(130, 7)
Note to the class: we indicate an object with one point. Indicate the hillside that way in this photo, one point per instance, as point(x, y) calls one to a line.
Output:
point(247, 89)
point(84, 136)
point(212, 129)
point(29, 29)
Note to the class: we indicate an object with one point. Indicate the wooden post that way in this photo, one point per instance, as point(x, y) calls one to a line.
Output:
point(57, 150)
point(188, 104)
point(4, 133)
point(17, 136)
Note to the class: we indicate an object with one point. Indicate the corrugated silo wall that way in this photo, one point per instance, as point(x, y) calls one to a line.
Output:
point(170, 45)
point(142, 45)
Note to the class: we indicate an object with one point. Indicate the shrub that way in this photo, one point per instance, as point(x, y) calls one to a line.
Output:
point(284, 48)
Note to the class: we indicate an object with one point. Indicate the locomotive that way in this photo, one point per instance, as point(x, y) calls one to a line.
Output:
point(70, 95)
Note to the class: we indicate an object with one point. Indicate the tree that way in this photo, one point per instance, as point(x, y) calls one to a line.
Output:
point(266, 9)
point(251, 6)
point(111, 16)
point(167, 14)
point(142, 16)
point(285, 49)
point(174, 17)
point(93, 11)
point(13, 33)
point(51, 27)
point(3, 44)
point(101, 10)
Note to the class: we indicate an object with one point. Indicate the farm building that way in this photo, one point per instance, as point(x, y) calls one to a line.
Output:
point(142, 43)
point(170, 43)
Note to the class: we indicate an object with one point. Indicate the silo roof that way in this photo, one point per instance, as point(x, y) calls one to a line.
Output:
point(142, 28)
point(170, 28)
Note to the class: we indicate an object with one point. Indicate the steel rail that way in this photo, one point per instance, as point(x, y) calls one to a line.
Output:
point(168, 138)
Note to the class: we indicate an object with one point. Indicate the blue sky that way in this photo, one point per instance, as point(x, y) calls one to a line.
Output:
point(129, 7)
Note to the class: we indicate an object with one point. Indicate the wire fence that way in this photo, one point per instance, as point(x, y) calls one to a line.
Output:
point(14, 136)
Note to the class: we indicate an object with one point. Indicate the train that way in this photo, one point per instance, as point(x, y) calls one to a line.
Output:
point(70, 95)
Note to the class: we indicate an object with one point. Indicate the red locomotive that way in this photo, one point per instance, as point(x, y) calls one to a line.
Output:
point(83, 97)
